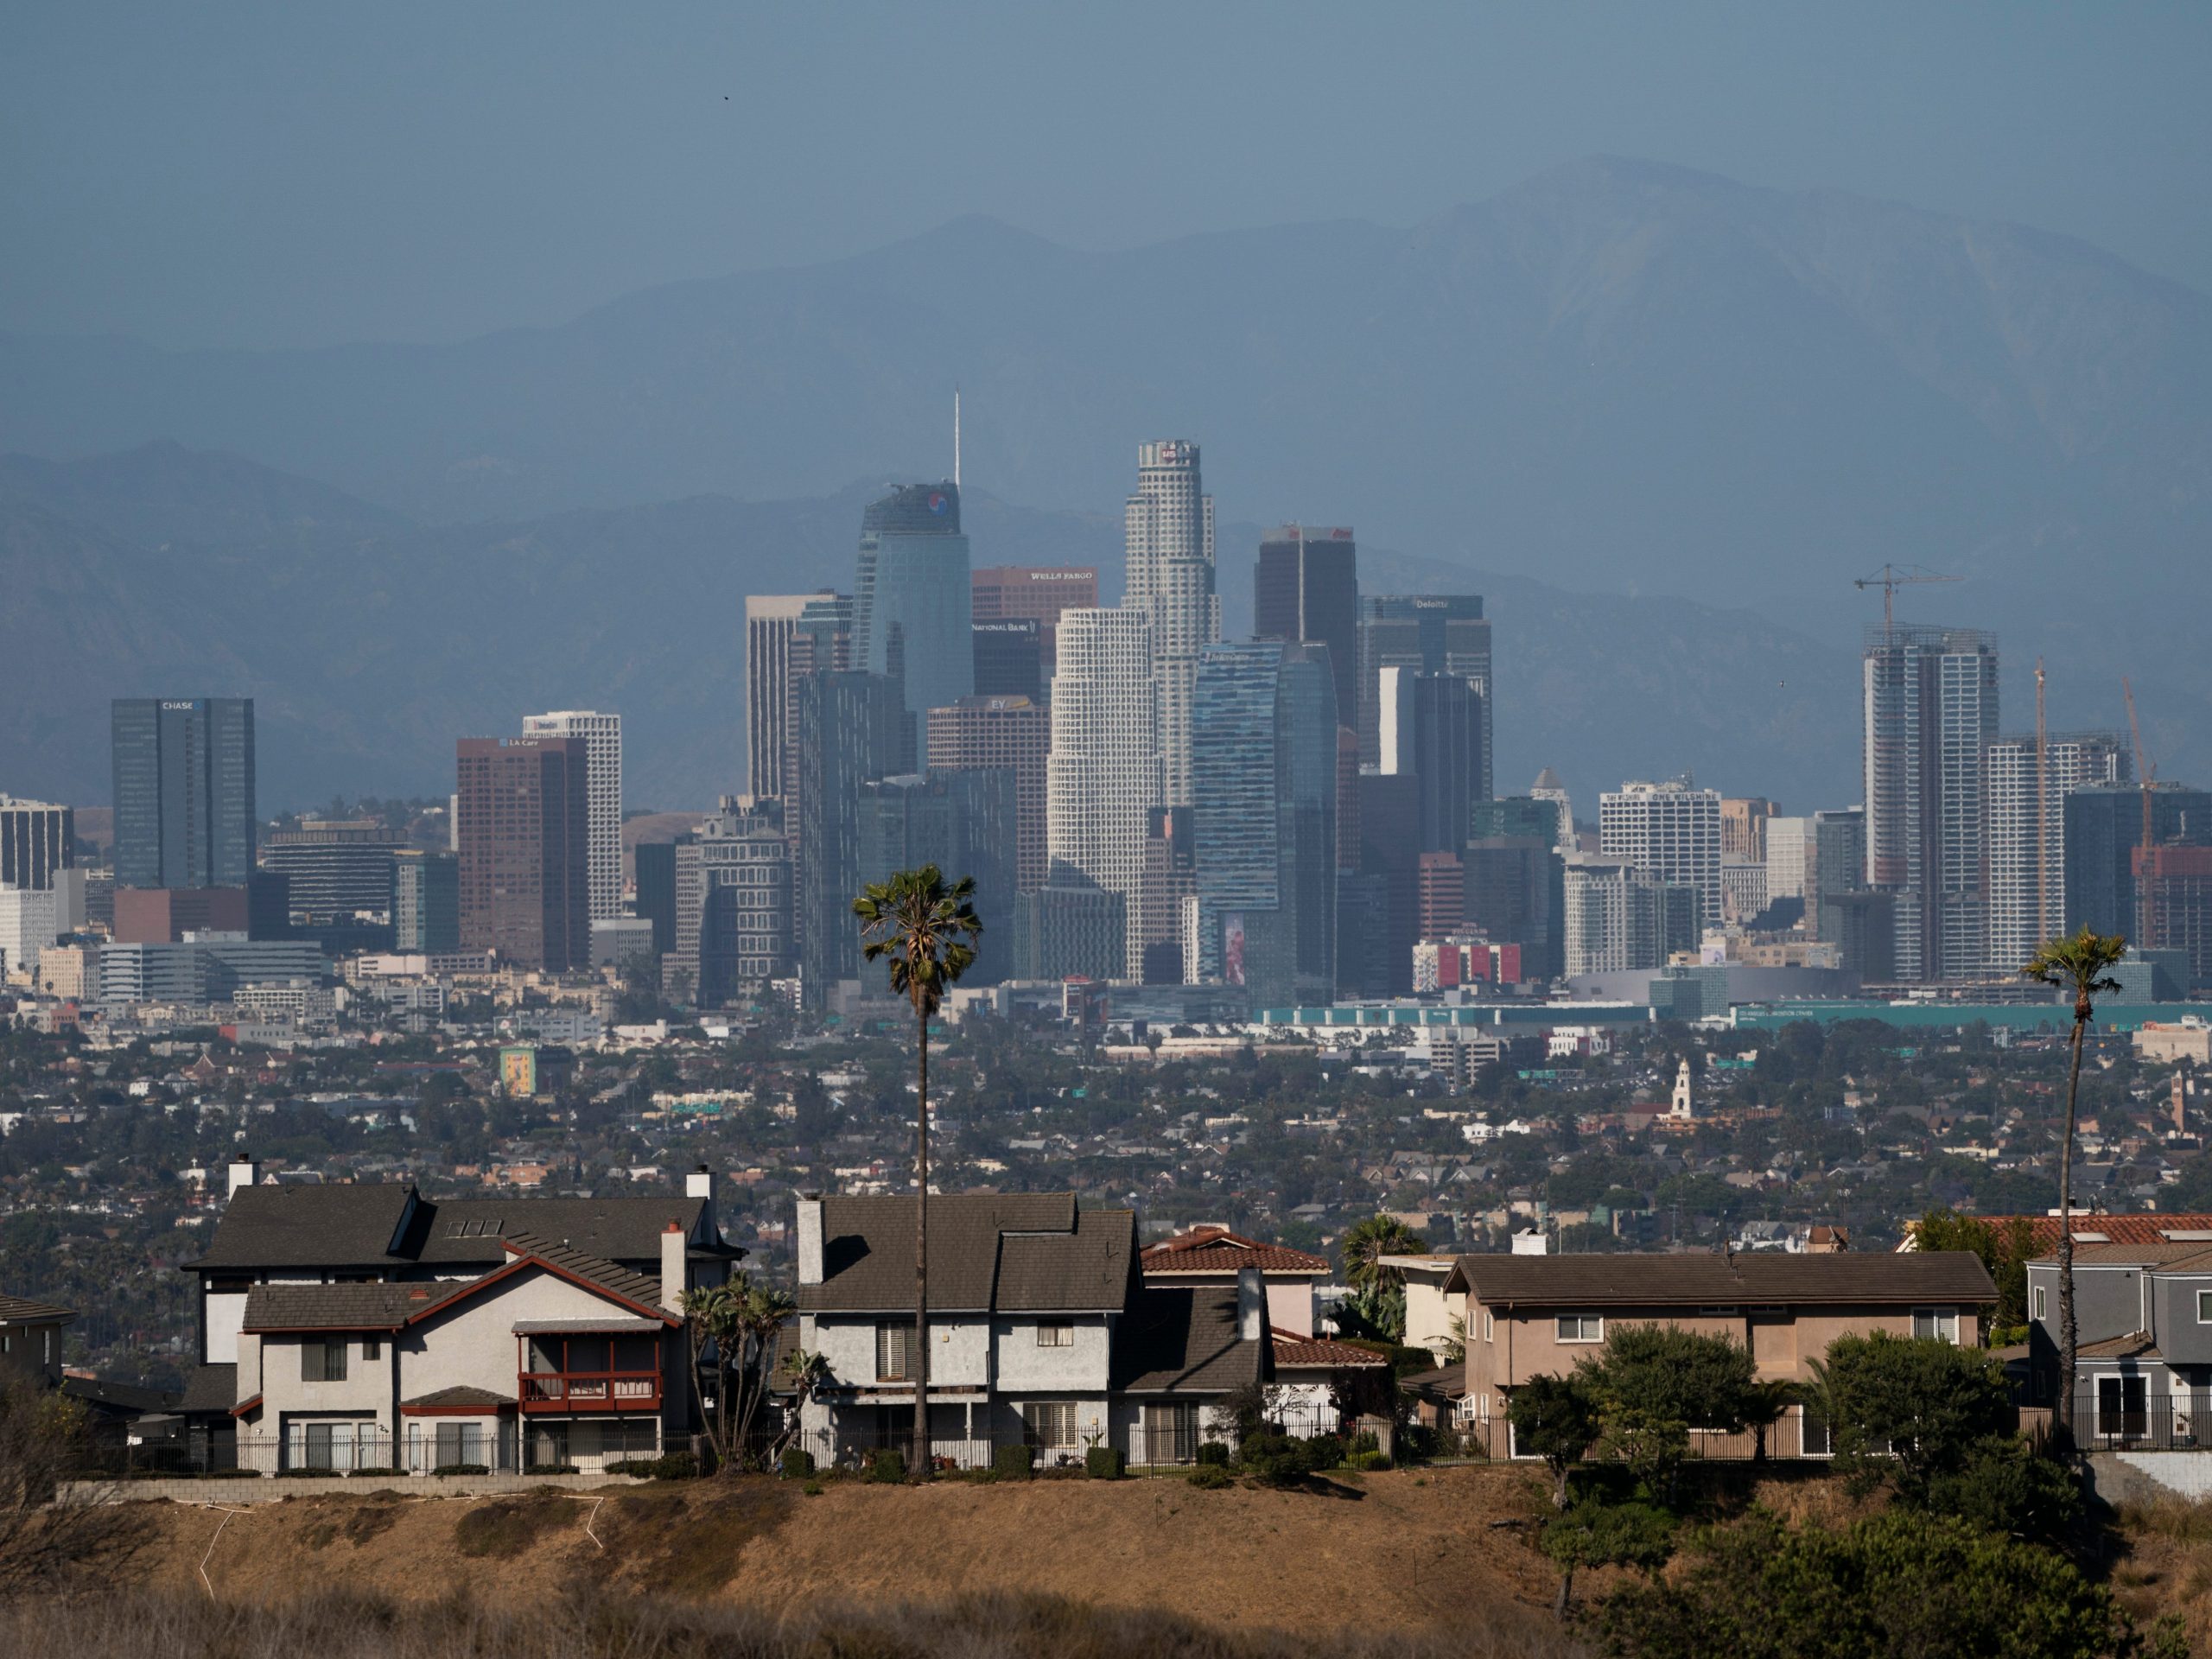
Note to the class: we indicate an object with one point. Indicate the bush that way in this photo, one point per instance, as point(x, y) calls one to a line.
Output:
point(1371, 1461)
point(886, 1466)
point(1278, 1460)
point(309, 1474)
point(1013, 1462)
point(381, 1472)
point(1105, 1463)
point(796, 1463)
point(462, 1468)
point(553, 1469)
point(1209, 1477)
point(812, 1489)
point(672, 1465)
point(1213, 1453)
point(2004, 1488)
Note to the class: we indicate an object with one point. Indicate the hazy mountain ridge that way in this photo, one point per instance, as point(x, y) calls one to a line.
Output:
point(373, 643)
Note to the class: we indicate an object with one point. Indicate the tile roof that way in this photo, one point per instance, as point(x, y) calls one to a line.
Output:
point(460, 1395)
point(1691, 1280)
point(1217, 1249)
point(1303, 1353)
point(2145, 1228)
point(596, 1271)
point(20, 1310)
point(867, 1252)
point(1183, 1340)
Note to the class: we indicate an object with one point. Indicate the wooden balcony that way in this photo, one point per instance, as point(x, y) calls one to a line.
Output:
point(542, 1392)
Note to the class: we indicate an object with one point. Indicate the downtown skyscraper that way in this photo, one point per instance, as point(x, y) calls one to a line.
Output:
point(524, 829)
point(1167, 527)
point(1429, 633)
point(184, 791)
point(1103, 775)
point(603, 737)
point(2026, 859)
point(1929, 703)
point(911, 601)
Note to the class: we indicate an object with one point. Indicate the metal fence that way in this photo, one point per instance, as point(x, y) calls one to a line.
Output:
point(2124, 1413)
point(851, 1445)
point(367, 1445)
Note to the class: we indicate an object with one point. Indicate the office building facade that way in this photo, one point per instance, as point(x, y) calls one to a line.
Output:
point(962, 822)
point(2104, 826)
point(771, 622)
point(1015, 734)
point(912, 620)
point(1037, 594)
point(1103, 774)
point(1431, 725)
point(38, 841)
point(425, 901)
point(184, 791)
point(1170, 877)
point(1428, 633)
point(524, 863)
point(2176, 884)
point(852, 728)
point(2024, 816)
point(334, 869)
point(603, 737)
point(1671, 829)
point(732, 881)
point(1167, 528)
point(1306, 589)
point(1009, 658)
point(1071, 928)
point(1515, 893)
point(1929, 712)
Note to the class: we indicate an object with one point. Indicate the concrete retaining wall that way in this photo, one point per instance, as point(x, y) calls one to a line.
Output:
point(263, 1489)
point(2138, 1477)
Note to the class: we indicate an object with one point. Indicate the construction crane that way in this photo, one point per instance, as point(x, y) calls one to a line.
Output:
point(2146, 903)
point(1889, 579)
point(2044, 929)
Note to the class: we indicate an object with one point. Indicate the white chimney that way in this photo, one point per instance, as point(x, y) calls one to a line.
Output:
point(245, 1172)
point(809, 1238)
point(674, 1242)
point(1531, 1242)
point(1251, 1306)
point(700, 1183)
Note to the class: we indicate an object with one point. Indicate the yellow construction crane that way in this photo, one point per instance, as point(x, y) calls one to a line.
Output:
point(2146, 918)
point(1889, 579)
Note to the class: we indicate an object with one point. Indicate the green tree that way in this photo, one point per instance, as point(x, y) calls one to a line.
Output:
point(2076, 965)
point(2004, 1250)
point(1900, 1583)
point(1378, 1298)
point(1554, 1418)
point(921, 927)
point(1656, 1383)
point(1597, 1534)
point(1905, 1410)
point(743, 1320)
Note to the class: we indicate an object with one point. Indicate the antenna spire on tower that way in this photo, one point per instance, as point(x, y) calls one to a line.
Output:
point(956, 437)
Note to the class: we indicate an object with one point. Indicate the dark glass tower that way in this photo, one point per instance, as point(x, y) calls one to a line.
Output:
point(184, 802)
point(1305, 588)
point(1430, 634)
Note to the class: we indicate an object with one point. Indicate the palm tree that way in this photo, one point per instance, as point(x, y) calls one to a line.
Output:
point(2077, 965)
point(1379, 1292)
point(920, 925)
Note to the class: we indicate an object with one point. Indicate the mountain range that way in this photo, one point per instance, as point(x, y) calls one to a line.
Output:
point(1615, 381)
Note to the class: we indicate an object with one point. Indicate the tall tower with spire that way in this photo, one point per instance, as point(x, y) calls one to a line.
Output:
point(1168, 531)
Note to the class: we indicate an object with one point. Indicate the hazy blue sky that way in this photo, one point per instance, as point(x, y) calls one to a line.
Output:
point(214, 174)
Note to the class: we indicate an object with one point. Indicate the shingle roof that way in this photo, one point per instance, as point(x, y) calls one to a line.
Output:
point(20, 1310)
point(2136, 1344)
point(1721, 1280)
point(2159, 1254)
point(210, 1388)
point(1064, 1272)
point(1215, 1250)
point(460, 1395)
point(126, 1397)
point(597, 1271)
point(348, 1225)
point(868, 1252)
point(388, 1307)
point(1179, 1340)
point(1305, 1353)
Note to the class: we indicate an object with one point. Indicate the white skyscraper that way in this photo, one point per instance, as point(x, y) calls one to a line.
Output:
point(1670, 830)
point(602, 737)
point(2027, 900)
point(1168, 526)
point(1103, 771)
point(771, 620)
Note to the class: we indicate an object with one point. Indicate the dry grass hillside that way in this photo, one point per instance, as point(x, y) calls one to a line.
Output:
point(1400, 1563)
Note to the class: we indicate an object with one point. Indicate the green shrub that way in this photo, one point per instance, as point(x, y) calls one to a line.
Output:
point(462, 1468)
point(1279, 1459)
point(1209, 1477)
point(1213, 1453)
point(886, 1466)
point(1013, 1462)
point(1105, 1463)
point(673, 1465)
point(812, 1489)
point(796, 1463)
point(309, 1474)
point(553, 1469)
point(1371, 1461)
point(380, 1473)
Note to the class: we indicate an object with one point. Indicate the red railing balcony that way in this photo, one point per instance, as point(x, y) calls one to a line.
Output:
point(589, 1390)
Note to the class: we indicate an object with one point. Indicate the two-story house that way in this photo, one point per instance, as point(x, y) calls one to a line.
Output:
point(30, 1342)
point(350, 1326)
point(1541, 1315)
point(2142, 1312)
point(1042, 1330)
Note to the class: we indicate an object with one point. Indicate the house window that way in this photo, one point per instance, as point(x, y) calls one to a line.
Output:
point(322, 1359)
point(459, 1443)
point(1942, 1323)
point(1056, 1336)
point(2204, 1305)
point(372, 1348)
point(321, 1448)
point(1489, 1325)
point(1815, 1438)
point(1049, 1424)
point(2043, 1306)
point(894, 1353)
point(1171, 1432)
point(1581, 1327)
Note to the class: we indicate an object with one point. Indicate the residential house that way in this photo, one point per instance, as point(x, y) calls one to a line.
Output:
point(30, 1342)
point(365, 1326)
point(1541, 1315)
point(1042, 1331)
point(2142, 1311)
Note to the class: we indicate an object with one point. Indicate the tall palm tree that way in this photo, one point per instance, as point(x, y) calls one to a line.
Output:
point(2076, 965)
point(921, 926)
